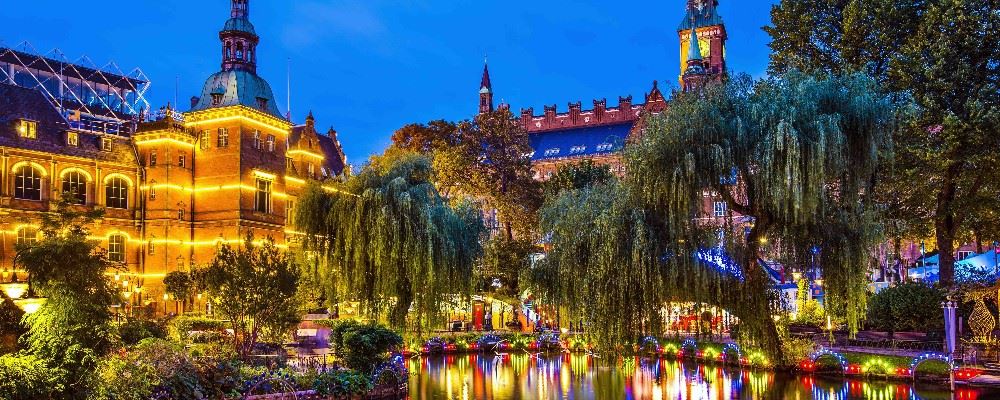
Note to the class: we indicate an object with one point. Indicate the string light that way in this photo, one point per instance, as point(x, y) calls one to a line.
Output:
point(305, 153)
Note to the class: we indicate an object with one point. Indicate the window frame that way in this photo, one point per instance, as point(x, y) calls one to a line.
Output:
point(21, 189)
point(270, 143)
point(28, 129)
point(263, 195)
point(718, 211)
point(107, 144)
point(72, 139)
point(120, 201)
point(117, 244)
point(222, 138)
point(204, 141)
point(152, 158)
point(23, 239)
point(68, 184)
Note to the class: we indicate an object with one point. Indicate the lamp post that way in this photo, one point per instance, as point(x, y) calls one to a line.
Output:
point(950, 331)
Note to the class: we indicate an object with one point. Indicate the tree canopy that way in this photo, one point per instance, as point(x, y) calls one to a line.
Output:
point(254, 287)
point(929, 55)
point(795, 160)
point(390, 241)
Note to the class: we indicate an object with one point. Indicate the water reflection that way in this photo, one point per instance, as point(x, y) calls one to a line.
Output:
point(583, 377)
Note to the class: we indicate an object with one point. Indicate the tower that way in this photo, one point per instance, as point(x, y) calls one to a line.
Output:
point(485, 91)
point(239, 40)
point(704, 28)
point(694, 75)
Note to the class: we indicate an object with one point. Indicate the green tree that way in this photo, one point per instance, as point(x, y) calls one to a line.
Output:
point(390, 241)
point(180, 285)
point(483, 159)
point(254, 287)
point(72, 330)
point(798, 155)
point(929, 55)
point(577, 176)
point(906, 307)
point(363, 346)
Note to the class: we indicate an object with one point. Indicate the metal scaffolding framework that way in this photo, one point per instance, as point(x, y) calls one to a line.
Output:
point(91, 98)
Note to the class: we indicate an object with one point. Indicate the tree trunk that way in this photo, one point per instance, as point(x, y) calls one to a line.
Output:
point(404, 298)
point(944, 230)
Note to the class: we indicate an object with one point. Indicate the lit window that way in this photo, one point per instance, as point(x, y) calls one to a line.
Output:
point(116, 193)
point(151, 245)
point(116, 248)
point(27, 183)
point(223, 139)
point(720, 209)
point(74, 187)
point(262, 203)
point(152, 191)
point(28, 129)
point(289, 212)
point(72, 139)
point(204, 139)
point(552, 152)
point(605, 146)
point(106, 144)
point(577, 149)
point(27, 236)
point(270, 143)
point(181, 161)
point(180, 213)
point(256, 139)
point(152, 158)
point(312, 170)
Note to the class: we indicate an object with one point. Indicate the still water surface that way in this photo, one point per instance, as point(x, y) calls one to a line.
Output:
point(583, 377)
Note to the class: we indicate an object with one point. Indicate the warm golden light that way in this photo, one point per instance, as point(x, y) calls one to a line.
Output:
point(306, 153)
point(30, 306)
point(163, 141)
point(15, 290)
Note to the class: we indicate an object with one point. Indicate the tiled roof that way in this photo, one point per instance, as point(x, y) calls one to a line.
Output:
point(333, 155)
point(237, 87)
point(579, 142)
point(335, 161)
point(18, 103)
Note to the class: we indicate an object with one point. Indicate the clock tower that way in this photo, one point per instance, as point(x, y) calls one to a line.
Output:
point(710, 33)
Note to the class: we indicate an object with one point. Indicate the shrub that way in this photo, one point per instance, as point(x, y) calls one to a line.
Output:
point(25, 377)
point(181, 328)
point(906, 307)
point(134, 330)
point(10, 324)
point(362, 347)
point(341, 384)
point(152, 367)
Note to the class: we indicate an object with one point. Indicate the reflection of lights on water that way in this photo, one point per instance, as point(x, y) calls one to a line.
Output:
point(582, 377)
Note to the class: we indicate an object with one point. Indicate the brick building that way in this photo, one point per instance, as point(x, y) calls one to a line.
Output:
point(174, 185)
point(599, 133)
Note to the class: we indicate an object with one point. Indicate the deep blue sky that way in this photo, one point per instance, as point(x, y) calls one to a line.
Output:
point(367, 67)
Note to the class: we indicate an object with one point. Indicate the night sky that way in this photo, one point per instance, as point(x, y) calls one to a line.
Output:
point(367, 67)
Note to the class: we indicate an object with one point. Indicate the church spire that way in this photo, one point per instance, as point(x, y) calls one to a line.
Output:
point(239, 39)
point(485, 91)
point(694, 74)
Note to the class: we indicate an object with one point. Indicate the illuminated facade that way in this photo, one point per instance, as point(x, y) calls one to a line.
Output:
point(174, 187)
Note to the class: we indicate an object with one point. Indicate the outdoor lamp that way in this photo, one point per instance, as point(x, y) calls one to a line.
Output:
point(797, 276)
point(819, 282)
point(15, 290)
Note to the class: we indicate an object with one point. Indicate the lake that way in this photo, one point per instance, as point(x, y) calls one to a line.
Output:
point(583, 377)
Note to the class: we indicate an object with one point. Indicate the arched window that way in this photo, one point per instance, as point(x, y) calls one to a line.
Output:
point(27, 183)
point(116, 248)
point(116, 193)
point(239, 51)
point(74, 187)
point(27, 236)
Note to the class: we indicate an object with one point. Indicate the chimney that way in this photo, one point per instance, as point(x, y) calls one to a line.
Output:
point(550, 113)
point(526, 114)
point(194, 101)
point(625, 104)
point(574, 111)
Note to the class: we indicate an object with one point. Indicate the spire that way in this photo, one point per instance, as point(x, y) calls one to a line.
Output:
point(485, 91)
point(485, 84)
point(694, 48)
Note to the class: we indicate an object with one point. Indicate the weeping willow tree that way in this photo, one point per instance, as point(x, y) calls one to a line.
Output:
point(795, 159)
point(386, 239)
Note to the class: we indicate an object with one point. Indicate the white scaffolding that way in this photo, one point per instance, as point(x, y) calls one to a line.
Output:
point(91, 98)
